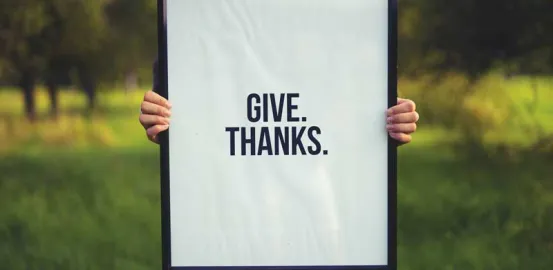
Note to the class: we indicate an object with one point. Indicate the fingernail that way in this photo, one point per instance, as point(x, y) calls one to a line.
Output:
point(389, 112)
point(169, 104)
point(389, 127)
point(389, 120)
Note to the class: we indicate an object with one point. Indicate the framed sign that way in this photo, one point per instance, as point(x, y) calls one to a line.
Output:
point(278, 154)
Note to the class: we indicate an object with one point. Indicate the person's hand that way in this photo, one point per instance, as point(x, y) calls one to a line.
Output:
point(402, 120)
point(155, 111)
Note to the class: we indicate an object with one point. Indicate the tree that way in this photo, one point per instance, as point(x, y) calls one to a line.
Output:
point(22, 23)
point(133, 35)
point(471, 38)
point(474, 36)
point(99, 41)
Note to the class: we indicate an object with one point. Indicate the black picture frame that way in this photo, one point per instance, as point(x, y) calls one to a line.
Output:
point(162, 89)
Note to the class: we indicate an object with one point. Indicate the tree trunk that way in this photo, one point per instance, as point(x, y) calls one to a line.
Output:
point(28, 87)
point(53, 95)
point(88, 84)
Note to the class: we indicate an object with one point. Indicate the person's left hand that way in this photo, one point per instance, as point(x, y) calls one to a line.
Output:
point(402, 120)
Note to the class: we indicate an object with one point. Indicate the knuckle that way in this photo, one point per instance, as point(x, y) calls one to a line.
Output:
point(151, 137)
point(147, 95)
point(161, 101)
point(160, 111)
point(152, 131)
point(411, 105)
point(402, 137)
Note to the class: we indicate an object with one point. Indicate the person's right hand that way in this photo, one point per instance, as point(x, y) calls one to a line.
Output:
point(154, 117)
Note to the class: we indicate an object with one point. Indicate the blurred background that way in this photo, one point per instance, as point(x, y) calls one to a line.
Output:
point(79, 182)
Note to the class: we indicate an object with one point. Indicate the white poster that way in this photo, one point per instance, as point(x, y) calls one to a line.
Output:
point(278, 153)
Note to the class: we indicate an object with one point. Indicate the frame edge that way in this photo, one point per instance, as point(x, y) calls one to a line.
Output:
point(164, 139)
point(392, 144)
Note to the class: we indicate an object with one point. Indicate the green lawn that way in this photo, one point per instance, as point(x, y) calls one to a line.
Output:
point(459, 214)
point(80, 210)
point(84, 194)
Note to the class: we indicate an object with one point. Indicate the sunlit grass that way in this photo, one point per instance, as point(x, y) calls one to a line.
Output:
point(509, 111)
point(114, 124)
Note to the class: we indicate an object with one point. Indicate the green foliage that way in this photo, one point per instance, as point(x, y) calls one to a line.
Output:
point(82, 24)
point(491, 115)
point(132, 43)
point(476, 36)
point(108, 37)
point(22, 22)
point(134, 30)
point(458, 59)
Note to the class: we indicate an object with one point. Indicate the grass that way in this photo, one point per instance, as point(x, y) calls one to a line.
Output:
point(462, 214)
point(80, 210)
point(84, 194)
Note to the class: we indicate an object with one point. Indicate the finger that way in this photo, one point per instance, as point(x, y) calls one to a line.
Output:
point(148, 120)
point(402, 107)
point(402, 128)
point(411, 117)
point(402, 100)
point(154, 109)
point(153, 131)
point(401, 137)
point(155, 98)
